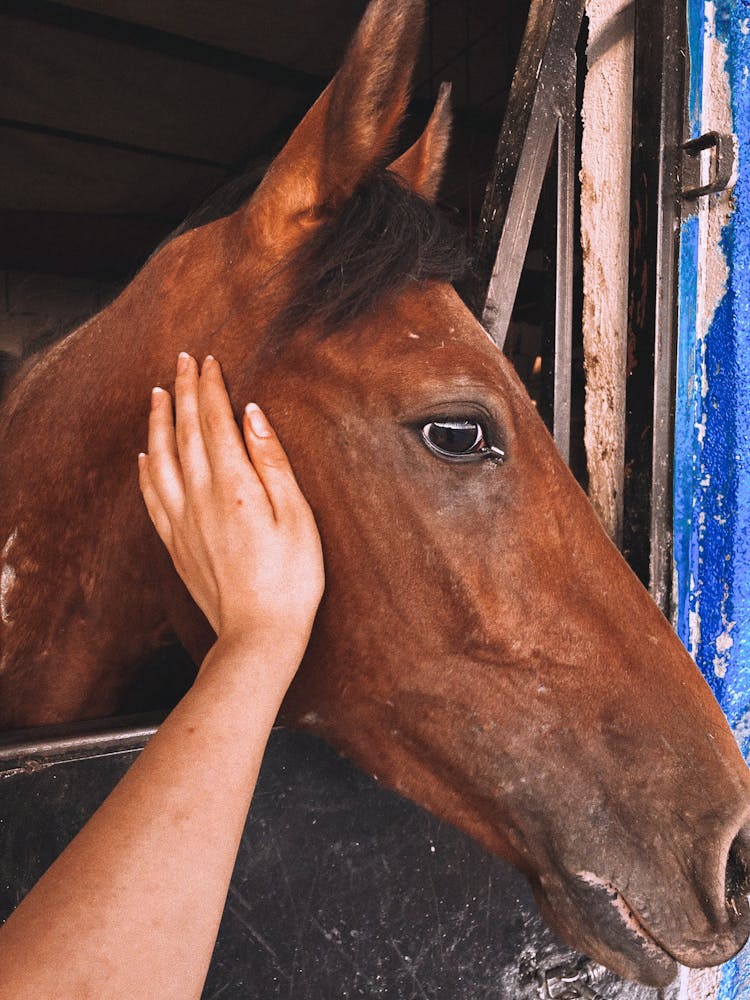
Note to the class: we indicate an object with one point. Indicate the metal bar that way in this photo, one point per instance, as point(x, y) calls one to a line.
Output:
point(540, 86)
point(45, 746)
point(566, 142)
point(665, 334)
point(657, 136)
point(511, 252)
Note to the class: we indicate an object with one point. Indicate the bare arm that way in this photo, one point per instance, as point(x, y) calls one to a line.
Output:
point(131, 908)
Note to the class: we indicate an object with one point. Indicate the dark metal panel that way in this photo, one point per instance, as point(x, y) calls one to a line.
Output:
point(171, 80)
point(341, 889)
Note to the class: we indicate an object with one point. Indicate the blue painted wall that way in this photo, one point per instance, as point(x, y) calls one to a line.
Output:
point(712, 441)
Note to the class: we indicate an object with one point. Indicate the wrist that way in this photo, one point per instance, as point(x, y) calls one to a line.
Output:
point(254, 663)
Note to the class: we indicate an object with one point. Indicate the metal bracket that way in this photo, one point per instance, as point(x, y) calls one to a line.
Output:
point(721, 167)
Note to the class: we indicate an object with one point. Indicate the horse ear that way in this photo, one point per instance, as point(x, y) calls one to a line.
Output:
point(350, 129)
point(422, 165)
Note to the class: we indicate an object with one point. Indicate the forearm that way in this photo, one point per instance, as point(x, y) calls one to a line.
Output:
point(132, 907)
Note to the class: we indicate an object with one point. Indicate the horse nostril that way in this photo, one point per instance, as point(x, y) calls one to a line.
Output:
point(737, 879)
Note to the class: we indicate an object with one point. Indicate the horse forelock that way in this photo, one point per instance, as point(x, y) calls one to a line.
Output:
point(381, 238)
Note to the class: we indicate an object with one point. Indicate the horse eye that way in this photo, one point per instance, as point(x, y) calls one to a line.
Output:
point(458, 440)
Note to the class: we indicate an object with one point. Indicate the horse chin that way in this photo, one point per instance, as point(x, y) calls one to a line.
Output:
point(593, 916)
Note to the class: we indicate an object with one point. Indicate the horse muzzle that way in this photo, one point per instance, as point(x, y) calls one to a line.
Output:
point(643, 939)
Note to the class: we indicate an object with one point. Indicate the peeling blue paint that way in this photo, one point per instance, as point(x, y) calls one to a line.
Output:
point(712, 441)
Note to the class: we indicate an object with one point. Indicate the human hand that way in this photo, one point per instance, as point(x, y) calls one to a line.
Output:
point(239, 531)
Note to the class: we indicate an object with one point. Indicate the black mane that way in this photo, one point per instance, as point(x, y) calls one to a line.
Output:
point(381, 238)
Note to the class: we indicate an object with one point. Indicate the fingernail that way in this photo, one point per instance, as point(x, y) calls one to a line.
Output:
point(141, 457)
point(208, 359)
point(258, 423)
point(183, 360)
point(156, 394)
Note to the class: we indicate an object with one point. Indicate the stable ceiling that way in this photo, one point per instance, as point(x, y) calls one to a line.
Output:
point(117, 117)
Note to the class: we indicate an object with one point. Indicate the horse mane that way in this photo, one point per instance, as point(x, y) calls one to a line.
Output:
point(382, 237)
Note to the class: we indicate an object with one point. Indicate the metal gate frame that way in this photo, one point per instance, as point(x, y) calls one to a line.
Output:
point(542, 107)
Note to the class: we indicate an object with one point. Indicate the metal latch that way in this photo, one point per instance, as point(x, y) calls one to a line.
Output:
point(570, 982)
point(720, 169)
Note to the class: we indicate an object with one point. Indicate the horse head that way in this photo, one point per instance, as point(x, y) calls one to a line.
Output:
point(482, 647)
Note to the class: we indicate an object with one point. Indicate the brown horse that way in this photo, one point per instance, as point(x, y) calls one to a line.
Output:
point(482, 647)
